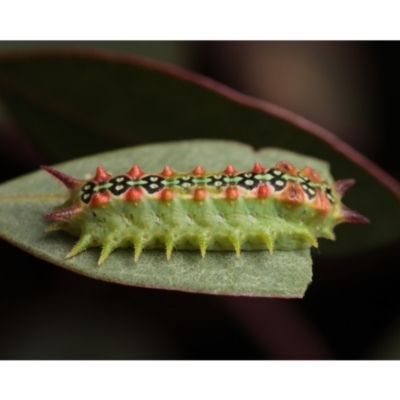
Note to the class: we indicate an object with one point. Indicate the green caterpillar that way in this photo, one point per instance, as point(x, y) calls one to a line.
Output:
point(264, 208)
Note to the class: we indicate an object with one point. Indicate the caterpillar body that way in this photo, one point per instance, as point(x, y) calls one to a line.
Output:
point(281, 208)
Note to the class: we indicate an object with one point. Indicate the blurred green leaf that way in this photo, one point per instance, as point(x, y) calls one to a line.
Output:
point(25, 200)
point(74, 103)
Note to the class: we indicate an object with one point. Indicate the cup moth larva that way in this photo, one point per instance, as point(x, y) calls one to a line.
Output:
point(281, 208)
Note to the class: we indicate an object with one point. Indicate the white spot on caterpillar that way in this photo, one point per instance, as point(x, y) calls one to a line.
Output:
point(280, 183)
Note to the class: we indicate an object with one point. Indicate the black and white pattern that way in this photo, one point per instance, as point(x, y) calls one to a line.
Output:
point(217, 181)
point(307, 188)
point(278, 182)
point(248, 181)
point(329, 194)
point(119, 185)
point(153, 183)
point(87, 191)
point(185, 182)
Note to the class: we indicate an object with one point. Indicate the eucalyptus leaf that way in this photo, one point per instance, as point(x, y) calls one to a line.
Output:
point(25, 200)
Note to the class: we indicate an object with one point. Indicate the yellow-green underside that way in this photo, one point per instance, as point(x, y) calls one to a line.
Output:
point(212, 224)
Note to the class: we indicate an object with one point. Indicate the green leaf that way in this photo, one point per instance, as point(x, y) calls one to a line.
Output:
point(25, 200)
point(74, 103)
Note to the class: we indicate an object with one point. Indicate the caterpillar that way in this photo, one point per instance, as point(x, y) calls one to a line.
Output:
point(281, 208)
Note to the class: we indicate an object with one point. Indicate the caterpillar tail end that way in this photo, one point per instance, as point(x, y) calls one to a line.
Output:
point(352, 216)
point(68, 181)
point(63, 214)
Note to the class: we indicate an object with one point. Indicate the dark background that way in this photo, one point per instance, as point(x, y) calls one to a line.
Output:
point(350, 311)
